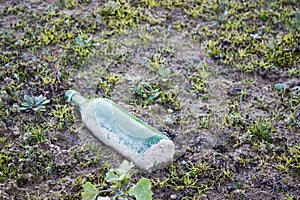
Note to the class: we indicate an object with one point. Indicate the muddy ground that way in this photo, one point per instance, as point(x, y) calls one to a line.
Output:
point(219, 78)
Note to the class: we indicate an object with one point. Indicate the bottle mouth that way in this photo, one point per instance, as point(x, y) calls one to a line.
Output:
point(69, 94)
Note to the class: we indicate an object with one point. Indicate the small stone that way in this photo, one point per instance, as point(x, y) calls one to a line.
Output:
point(173, 196)
point(16, 131)
point(281, 86)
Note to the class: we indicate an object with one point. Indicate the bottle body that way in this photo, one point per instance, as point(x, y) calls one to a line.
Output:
point(124, 132)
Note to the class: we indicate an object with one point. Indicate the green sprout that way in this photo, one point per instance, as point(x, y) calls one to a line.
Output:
point(262, 130)
point(34, 103)
point(148, 93)
point(121, 186)
point(80, 41)
point(83, 46)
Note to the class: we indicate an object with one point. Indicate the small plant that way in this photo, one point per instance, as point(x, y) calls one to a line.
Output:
point(223, 17)
point(164, 73)
point(106, 84)
point(83, 41)
point(34, 103)
point(198, 84)
point(148, 93)
point(289, 160)
point(120, 14)
point(83, 46)
point(120, 185)
point(156, 62)
point(262, 130)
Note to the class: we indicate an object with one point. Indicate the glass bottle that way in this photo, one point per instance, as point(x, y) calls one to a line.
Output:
point(122, 131)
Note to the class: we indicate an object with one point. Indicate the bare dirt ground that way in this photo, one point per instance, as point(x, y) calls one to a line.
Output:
point(221, 79)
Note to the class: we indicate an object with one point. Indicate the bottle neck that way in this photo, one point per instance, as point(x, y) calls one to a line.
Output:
point(78, 100)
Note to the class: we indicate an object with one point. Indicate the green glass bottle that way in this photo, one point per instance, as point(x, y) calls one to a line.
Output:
point(122, 131)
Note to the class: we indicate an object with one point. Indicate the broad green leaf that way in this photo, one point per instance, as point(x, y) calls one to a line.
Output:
point(224, 15)
point(26, 97)
point(139, 91)
point(90, 192)
point(25, 104)
point(16, 76)
point(29, 100)
point(113, 176)
point(96, 44)
point(125, 167)
point(46, 101)
point(164, 72)
point(142, 190)
point(79, 41)
point(154, 95)
point(89, 40)
point(41, 100)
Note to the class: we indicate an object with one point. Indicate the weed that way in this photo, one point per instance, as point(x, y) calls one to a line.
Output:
point(234, 115)
point(106, 84)
point(83, 47)
point(34, 103)
point(120, 15)
point(261, 129)
point(35, 134)
point(71, 4)
point(156, 62)
point(289, 161)
point(64, 115)
point(228, 174)
point(204, 121)
point(198, 84)
point(151, 3)
point(164, 73)
point(152, 93)
point(120, 185)
point(148, 93)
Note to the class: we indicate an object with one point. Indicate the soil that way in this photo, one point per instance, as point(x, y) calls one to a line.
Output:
point(236, 136)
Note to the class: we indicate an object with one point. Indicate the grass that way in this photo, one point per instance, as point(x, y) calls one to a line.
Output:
point(196, 70)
